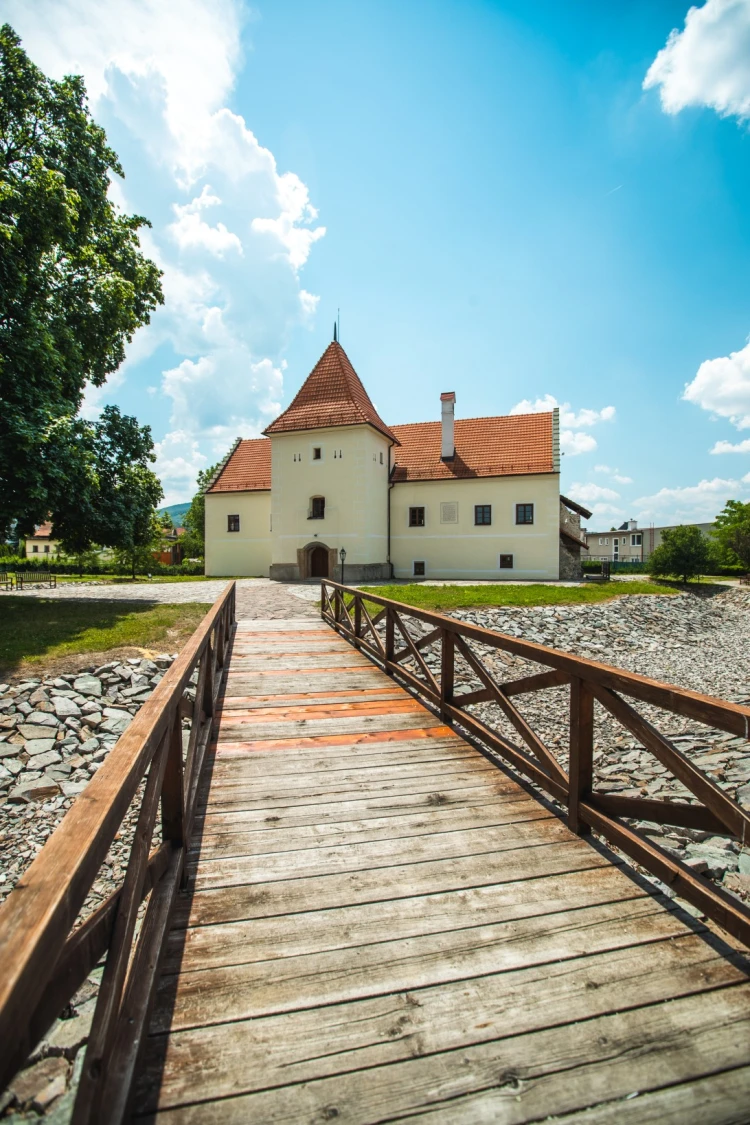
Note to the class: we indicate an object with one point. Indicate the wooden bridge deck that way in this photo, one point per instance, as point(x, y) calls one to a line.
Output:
point(382, 925)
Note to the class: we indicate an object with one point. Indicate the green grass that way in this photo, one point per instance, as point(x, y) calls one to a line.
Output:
point(465, 597)
point(38, 631)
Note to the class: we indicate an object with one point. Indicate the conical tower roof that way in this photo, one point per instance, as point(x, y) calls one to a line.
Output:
point(331, 395)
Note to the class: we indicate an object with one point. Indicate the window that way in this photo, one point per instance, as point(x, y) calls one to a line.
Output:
point(524, 513)
point(635, 540)
point(449, 513)
point(317, 508)
point(482, 514)
point(606, 542)
point(233, 523)
point(46, 550)
point(317, 453)
point(506, 562)
point(35, 550)
point(416, 519)
point(601, 542)
point(419, 570)
point(381, 458)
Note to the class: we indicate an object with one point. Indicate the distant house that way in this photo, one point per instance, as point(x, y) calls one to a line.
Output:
point(171, 551)
point(467, 498)
point(628, 542)
point(41, 543)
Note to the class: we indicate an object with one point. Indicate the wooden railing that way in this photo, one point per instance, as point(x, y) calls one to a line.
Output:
point(384, 635)
point(44, 959)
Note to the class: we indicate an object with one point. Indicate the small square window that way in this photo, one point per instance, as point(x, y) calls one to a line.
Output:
point(317, 453)
point(419, 570)
point(416, 517)
point(318, 508)
point(506, 562)
point(233, 523)
point(482, 514)
point(524, 513)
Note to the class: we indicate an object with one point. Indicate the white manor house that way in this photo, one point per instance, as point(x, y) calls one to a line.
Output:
point(472, 498)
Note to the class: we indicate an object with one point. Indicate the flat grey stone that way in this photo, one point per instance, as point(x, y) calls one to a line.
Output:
point(43, 718)
point(72, 788)
point(65, 707)
point(34, 731)
point(90, 746)
point(41, 761)
point(88, 685)
point(39, 746)
point(38, 790)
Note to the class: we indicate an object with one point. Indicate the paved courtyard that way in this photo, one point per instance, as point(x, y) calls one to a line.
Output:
point(257, 598)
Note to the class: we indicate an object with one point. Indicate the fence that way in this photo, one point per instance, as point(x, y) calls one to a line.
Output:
point(377, 632)
point(45, 959)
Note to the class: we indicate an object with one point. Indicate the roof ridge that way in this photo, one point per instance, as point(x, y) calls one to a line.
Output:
point(477, 418)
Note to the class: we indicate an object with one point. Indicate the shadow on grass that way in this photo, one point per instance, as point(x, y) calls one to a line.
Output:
point(33, 629)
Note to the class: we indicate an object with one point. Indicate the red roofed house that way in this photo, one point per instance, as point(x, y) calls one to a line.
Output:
point(472, 498)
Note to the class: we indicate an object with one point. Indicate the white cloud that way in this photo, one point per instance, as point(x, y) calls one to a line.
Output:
point(602, 469)
point(571, 443)
point(622, 480)
point(723, 386)
point(230, 231)
point(592, 492)
point(614, 473)
point(708, 62)
point(727, 447)
point(697, 503)
point(603, 503)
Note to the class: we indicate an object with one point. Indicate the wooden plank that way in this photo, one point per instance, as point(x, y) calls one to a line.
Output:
point(354, 771)
point(269, 763)
point(721, 1099)
point(270, 1052)
point(238, 992)
point(315, 727)
point(261, 702)
point(316, 742)
point(342, 927)
point(221, 831)
point(326, 812)
point(245, 869)
point(292, 896)
point(516, 1080)
point(295, 712)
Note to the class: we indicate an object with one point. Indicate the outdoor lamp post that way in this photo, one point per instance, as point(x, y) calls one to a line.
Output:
point(342, 556)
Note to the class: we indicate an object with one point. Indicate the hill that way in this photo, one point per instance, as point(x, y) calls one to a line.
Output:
point(176, 511)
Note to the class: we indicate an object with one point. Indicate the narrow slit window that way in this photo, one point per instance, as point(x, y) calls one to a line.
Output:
point(416, 517)
point(233, 523)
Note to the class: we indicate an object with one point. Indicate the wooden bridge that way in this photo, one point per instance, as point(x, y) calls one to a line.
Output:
point(363, 909)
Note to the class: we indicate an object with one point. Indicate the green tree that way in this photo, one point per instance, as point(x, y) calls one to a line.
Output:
point(110, 492)
point(74, 284)
point(194, 541)
point(683, 553)
point(732, 531)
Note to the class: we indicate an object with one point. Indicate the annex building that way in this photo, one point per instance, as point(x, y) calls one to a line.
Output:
point(473, 498)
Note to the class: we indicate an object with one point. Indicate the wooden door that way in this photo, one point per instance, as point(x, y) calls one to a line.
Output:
point(319, 562)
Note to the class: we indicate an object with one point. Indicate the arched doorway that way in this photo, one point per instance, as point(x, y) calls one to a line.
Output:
point(319, 562)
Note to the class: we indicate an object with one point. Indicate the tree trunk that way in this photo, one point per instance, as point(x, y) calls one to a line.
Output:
point(133, 564)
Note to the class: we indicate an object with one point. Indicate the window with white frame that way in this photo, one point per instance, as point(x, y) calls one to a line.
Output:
point(636, 540)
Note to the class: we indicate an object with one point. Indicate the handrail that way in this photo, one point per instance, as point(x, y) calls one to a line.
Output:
point(43, 963)
point(347, 610)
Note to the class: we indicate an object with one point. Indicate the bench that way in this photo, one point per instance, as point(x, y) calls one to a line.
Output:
point(35, 578)
point(6, 580)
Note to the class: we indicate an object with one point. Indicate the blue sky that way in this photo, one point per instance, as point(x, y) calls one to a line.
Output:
point(521, 203)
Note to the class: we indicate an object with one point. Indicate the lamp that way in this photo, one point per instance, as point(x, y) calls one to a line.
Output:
point(342, 556)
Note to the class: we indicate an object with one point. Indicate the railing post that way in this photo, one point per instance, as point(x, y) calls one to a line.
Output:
point(447, 661)
point(173, 788)
point(390, 635)
point(581, 752)
point(357, 619)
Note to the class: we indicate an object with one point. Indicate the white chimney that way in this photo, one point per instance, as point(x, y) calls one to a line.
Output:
point(447, 444)
point(632, 525)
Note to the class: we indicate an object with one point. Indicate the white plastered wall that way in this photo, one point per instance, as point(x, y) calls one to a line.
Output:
point(352, 476)
point(247, 551)
point(465, 551)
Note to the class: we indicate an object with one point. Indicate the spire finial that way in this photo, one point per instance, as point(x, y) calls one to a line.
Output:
point(335, 334)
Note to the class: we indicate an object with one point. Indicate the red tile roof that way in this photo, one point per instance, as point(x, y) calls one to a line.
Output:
point(248, 469)
point(331, 395)
point(485, 447)
point(44, 531)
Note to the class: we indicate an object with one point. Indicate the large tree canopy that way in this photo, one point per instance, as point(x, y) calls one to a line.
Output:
point(733, 531)
point(683, 553)
point(74, 284)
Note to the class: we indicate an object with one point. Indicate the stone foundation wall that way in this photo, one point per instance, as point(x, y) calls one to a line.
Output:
point(570, 562)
